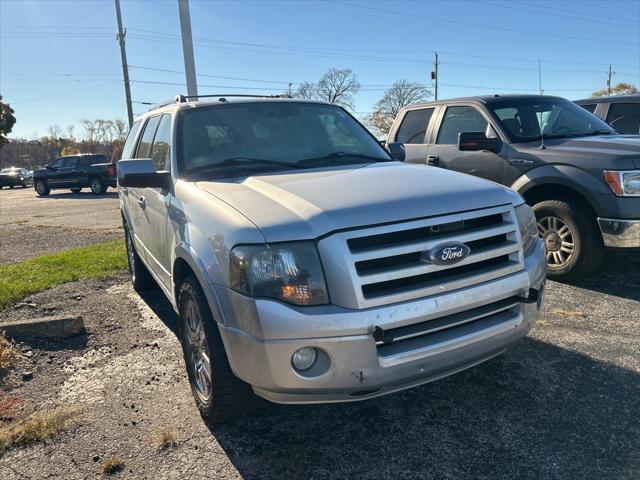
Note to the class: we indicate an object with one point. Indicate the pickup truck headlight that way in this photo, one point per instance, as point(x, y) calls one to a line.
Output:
point(625, 183)
point(288, 271)
point(528, 227)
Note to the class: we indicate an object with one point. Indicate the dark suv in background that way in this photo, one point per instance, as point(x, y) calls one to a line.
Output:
point(75, 172)
point(580, 175)
point(622, 112)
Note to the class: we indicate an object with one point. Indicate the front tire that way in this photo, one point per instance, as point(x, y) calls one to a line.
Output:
point(42, 189)
point(572, 240)
point(220, 396)
point(97, 186)
point(140, 276)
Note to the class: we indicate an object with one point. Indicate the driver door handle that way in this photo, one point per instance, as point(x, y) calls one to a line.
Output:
point(433, 160)
point(142, 201)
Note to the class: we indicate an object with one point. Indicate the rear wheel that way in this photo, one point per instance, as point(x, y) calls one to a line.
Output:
point(572, 240)
point(97, 186)
point(42, 188)
point(140, 276)
point(219, 394)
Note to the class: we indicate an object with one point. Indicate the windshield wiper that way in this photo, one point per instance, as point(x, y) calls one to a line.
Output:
point(243, 161)
point(598, 132)
point(340, 155)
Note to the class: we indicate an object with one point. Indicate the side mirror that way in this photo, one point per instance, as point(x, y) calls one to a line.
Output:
point(48, 166)
point(396, 150)
point(476, 141)
point(142, 173)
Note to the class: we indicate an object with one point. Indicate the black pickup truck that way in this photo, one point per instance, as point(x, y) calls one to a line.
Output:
point(75, 172)
point(580, 175)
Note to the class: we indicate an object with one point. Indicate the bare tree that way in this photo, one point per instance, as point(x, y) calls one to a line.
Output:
point(90, 133)
point(307, 91)
point(338, 86)
point(401, 94)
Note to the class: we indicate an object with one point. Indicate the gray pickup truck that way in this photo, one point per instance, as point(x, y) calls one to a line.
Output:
point(581, 177)
point(306, 265)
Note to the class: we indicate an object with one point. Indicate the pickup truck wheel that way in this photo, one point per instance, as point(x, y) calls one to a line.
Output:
point(97, 186)
point(140, 276)
point(76, 190)
point(42, 188)
point(219, 394)
point(572, 240)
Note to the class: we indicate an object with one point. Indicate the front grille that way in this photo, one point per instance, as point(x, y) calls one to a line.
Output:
point(386, 263)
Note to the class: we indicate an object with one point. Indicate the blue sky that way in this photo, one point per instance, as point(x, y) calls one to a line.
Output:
point(60, 62)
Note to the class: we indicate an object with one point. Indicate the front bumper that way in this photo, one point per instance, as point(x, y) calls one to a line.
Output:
point(260, 337)
point(620, 233)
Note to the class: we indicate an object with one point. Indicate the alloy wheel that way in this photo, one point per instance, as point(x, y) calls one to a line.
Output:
point(197, 351)
point(558, 239)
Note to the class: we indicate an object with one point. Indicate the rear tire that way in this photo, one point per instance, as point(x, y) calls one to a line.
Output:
point(140, 276)
point(42, 189)
point(97, 186)
point(572, 239)
point(220, 396)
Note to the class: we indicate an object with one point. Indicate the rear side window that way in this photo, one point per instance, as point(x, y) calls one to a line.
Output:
point(127, 150)
point(161, 148)
point(590, 108)
point(624, 117)
point(457, 120)
point(70, 162)
point(144, 148)
point(414, 126)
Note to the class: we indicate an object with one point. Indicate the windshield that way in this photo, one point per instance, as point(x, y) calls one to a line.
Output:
point(243, 138)
point(525, 120)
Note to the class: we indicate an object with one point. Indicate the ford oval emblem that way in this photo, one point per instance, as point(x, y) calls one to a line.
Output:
point(447, 253)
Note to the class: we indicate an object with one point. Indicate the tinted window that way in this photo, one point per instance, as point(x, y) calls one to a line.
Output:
point(624, 117)
point(144, 148)
point(58, 162)
point(70, 162)
point(161, 149)
point(457, 120)
point(414, 126)
point(127, 150)
point(590, 108)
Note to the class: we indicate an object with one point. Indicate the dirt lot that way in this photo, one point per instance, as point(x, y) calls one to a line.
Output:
point(563, 404)
point(32, 225)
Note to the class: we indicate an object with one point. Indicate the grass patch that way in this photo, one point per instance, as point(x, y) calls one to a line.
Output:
point(40, 426)
point(8, 354)
point(18, 280)
point(165, 438)
point(112, 466)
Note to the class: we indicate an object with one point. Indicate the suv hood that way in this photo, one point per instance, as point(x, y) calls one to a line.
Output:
point(308, 204)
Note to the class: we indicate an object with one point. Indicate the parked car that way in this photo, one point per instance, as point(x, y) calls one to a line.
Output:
point(622, 112)
point(75, 172)
point(13, 177)
point(306, 265)
point(581, 177)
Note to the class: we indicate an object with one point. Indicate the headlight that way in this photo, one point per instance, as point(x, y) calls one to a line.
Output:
point(624, 183)
point(289, 271)
point(528, 227)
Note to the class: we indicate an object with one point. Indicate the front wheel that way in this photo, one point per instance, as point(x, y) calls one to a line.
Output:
point(97, 186)
point(571, 237)
point(220, 396)
point(42, 188)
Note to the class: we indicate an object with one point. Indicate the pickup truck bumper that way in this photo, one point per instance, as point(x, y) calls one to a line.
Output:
point(370, 352)
point(620, 233)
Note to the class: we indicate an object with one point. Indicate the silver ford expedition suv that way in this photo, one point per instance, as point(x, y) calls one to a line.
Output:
point(307, 265)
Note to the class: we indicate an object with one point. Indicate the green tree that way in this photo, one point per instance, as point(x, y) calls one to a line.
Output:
point(7, 121)
point(620, 89)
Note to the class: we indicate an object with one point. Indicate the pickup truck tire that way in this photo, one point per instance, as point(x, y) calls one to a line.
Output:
point(219, 394)
point(42, 189)
point(76, 190)
point(97, 186)
point(140, 276)
point(573, 242)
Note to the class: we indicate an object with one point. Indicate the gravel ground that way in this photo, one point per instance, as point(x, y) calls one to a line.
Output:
point(562, 404)
point(32, 225)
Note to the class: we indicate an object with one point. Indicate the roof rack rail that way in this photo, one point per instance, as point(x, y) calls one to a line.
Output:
point(185, 98)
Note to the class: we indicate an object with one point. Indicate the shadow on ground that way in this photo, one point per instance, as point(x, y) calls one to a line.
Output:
point(538, 411)
point(619, 276)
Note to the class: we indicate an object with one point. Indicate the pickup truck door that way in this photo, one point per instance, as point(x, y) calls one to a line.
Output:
point(66, 175)
point(443, 147)
point(412, 132)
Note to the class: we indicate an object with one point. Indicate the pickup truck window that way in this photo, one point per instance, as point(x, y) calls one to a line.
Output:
point(524, 120)
point(144, 148)
point(590, 108)
point(127, 150)
point(457, 120)
point(224, 139)
point(624, 117)
point(70, 162)
point(414, 126)
point(161, 148)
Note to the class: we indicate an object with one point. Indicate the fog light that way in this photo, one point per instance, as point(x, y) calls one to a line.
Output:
point(303, 358)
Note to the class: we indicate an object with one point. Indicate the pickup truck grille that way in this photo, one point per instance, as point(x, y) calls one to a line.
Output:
point(386, 263)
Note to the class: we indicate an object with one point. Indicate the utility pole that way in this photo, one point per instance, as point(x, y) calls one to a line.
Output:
point(290, 94)
point(609, 81)
point(125, 67)
point(434, 75)
point(540, 77)
point(187, 48)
